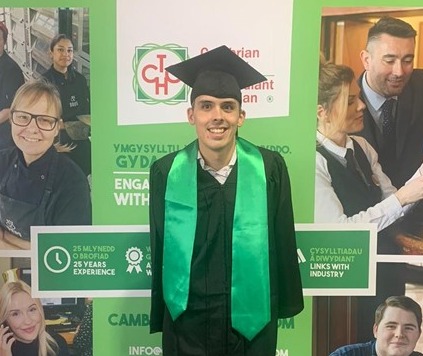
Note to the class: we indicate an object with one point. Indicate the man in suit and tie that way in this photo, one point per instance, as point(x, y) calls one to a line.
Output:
point(393, 93)
point(393, 124)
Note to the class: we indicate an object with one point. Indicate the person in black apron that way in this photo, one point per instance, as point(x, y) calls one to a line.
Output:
point(39, 185)
point(350, 186)
point(75, 98)
point(11, 78)
point(23, 326)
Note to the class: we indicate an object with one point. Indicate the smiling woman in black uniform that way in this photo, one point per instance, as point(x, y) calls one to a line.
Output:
point(75, 98)
point(39, 185)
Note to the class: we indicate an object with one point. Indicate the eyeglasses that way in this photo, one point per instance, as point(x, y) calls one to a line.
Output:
point(44, 122)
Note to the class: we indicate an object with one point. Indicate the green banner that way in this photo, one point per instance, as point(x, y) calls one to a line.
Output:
point(126, 320)
point(93, 258)
point(115, 263)
point(335, 260)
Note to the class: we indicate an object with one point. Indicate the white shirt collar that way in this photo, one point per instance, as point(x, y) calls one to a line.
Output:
point(375, 99)
point(222, 174)
point(332, 147)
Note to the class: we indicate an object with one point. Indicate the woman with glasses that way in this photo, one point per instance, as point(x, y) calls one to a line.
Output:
point(39, 185)
point(75, 98)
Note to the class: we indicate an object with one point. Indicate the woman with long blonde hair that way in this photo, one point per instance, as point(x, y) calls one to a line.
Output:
point(23, 328)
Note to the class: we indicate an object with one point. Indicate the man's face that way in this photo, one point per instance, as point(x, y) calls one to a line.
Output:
point(2, 43)
point(216, 122)
point(388, 62)
point(397, 333)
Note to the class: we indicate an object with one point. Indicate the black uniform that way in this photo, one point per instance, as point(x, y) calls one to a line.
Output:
point(51, 191)
point(357, 193)
point(75, 98)
point(31, 349)
point(204, 328)
point(11, 78)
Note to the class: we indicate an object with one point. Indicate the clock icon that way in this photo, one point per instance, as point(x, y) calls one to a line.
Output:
point(57, 259)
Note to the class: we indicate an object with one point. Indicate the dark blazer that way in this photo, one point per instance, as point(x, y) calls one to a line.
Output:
point(409, 131)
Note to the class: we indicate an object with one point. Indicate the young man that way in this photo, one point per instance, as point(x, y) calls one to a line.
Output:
point(11, 78)
point(392, 91)
point(397, 329)
point(221, 225)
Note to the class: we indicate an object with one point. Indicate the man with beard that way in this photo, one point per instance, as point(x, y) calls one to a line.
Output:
point(393, 124)
point(392, 91)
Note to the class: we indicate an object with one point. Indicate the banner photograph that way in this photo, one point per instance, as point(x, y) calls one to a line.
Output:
point(211, 178)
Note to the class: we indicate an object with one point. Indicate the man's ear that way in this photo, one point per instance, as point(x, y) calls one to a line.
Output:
point(190, 116)
point(375, 327)
point(365, 59)
point(241, 118)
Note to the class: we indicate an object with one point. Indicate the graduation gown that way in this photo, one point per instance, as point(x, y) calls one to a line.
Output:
point(205, 327)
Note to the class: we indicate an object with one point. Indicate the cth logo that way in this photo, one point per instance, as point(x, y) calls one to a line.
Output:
point(152, 84)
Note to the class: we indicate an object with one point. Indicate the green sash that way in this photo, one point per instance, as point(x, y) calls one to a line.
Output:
point(250, 291)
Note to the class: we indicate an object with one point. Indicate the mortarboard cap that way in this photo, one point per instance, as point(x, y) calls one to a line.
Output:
point(219, 73)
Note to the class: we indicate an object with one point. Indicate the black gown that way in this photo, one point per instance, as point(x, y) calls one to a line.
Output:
point(205, 327)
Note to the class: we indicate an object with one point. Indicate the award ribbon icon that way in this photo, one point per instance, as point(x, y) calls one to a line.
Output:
point(133, 257)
